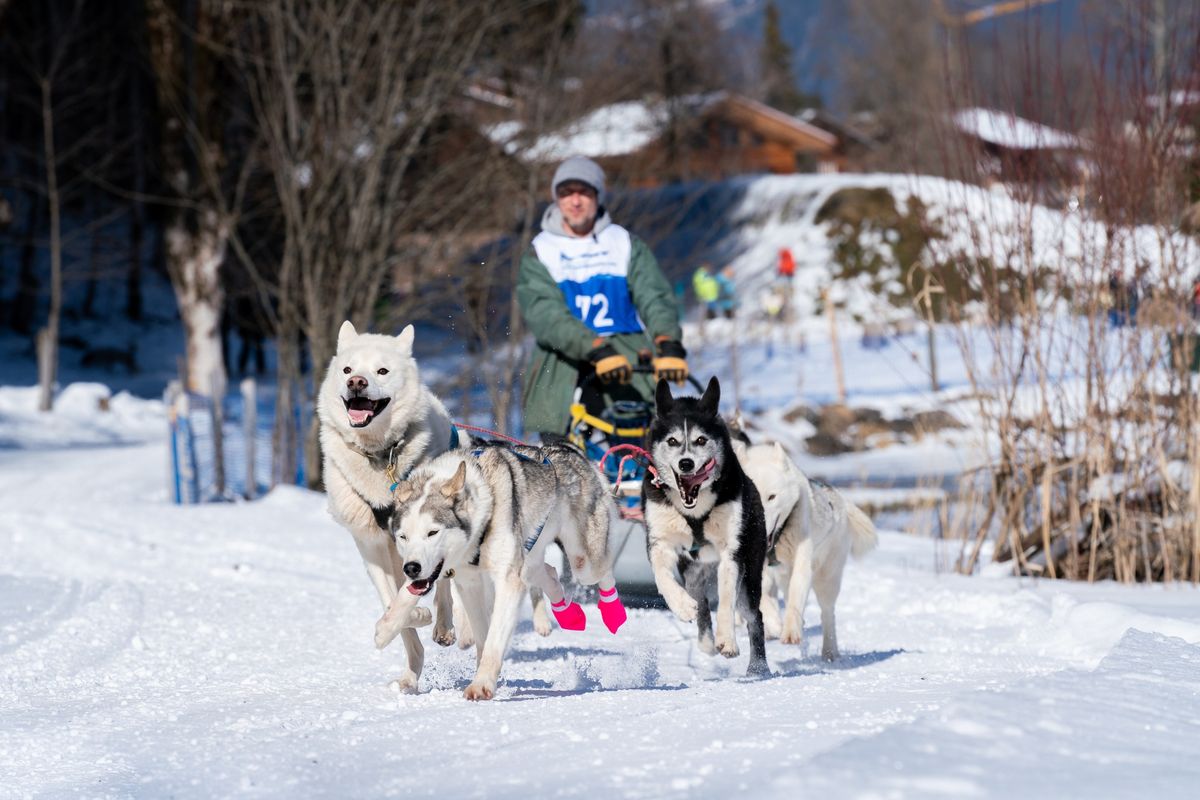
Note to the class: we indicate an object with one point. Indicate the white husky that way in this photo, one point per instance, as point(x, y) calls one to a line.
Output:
point(812, 529)
point(378, 422)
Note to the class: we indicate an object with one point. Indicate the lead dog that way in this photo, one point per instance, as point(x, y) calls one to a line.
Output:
point(813, 529)
point(702, 508)
point(484, 518)
point(378, 421)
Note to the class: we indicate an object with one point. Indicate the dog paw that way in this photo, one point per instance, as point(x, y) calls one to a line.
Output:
point(727, 647)
point(542, 626)
point(405, 684)
point(758, 669)
point(707, 645)
point(830, 654)
point(684, 608)
point(444, 636)
point(419, 617)
point(479, 691)
point(466, 641)
point(791, 636)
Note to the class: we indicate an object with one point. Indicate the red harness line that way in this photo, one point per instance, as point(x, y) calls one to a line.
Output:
point(491, 433)
point(636, 454)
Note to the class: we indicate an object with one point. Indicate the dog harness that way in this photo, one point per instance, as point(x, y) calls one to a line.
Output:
point(388, 465)
point(532, 539)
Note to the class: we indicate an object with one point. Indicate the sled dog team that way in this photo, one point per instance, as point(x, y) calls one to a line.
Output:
point(429, 508)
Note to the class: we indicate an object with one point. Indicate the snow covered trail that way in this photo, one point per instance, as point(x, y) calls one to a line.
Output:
point(152, 650)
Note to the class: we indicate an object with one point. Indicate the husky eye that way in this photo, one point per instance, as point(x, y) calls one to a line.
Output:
point(671, 440)
point(701, 441)
point(381, 371)
point(769, 499)
point(433, 533)
point(346, 371)
point(401, 536)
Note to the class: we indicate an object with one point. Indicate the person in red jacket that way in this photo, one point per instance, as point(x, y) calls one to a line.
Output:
point(787, 264)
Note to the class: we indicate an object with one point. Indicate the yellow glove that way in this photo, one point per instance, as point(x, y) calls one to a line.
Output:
point(610, 365)
point(671, 363)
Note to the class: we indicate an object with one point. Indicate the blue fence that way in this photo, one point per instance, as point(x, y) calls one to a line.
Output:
point(194, 448)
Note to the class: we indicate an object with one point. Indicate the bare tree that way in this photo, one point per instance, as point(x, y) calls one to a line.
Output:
point(186, 41)
point(353, 101)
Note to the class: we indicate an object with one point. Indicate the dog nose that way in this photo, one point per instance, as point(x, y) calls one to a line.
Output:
point(412, 569)
point(357, 383)
point(686, 465)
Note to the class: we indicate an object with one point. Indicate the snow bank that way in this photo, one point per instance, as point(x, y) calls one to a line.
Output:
point(84, 414)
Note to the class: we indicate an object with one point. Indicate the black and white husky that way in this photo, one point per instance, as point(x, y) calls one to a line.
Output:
point(702, 509)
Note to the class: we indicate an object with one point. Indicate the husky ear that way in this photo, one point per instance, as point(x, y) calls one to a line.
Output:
point(780, 453)
point(663, 402)
point(739, 449)
point(712, 397)
point(455, 484)
point(404, 492)
point(405, 339)
point(346, 335)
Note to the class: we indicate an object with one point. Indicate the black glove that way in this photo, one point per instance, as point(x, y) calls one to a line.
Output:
point(671, 363)
point(610, 365)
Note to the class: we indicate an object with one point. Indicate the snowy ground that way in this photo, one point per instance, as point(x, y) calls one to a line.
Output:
point(225, 650)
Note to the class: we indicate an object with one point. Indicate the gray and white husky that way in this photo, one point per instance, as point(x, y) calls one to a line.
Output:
point(483, 518)
point(378, 422)
point(813, 530)
point(702, 508)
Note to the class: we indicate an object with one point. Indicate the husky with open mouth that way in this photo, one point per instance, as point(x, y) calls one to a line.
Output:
point(702, 510)
point(378, 422)
point(483, 517)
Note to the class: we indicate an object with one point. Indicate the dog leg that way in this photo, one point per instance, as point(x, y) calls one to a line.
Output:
point(612, 610)
point(797, 596)
point(727, 587)
point(541, 612)
point(750, 604)
point(827, 585)
point(443, 631)
point(568, 614)
point(663, 561)
point(504, 620)
point(772, 623)
point(695, 580)
point(475, 603)
point(407, 683)
point(395, 618)
point(462, 622)
point(378, 560)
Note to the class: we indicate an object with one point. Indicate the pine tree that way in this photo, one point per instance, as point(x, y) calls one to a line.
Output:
point(778, 81)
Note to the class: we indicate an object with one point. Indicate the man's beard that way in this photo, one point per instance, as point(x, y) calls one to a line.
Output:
point(583, 227)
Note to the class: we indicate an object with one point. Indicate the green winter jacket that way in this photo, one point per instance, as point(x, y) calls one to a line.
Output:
point(563, 340)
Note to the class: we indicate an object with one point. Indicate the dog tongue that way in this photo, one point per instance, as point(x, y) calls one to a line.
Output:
point(698, 477)
point(360, 410)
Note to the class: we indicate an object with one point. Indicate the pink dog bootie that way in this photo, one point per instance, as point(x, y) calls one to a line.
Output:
point(569, 615)
point(612, 610)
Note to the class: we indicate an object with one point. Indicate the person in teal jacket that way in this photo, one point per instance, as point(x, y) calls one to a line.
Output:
point(594, 298)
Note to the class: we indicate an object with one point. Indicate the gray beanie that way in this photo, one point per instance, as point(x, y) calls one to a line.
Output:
point(579, 168)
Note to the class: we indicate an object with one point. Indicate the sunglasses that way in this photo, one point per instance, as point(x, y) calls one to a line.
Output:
point(574, 187)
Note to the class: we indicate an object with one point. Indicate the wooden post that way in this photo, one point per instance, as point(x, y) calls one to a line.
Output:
point(932, 338)
point(838, 373)
point(249, 428)
point(218, 435)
